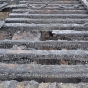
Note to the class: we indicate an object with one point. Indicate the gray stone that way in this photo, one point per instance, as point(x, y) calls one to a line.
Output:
point(53, 85)
point(72, 85)
point(10, 84)
point(32, 84)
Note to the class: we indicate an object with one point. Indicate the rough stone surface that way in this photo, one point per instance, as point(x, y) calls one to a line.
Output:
point(15, 47)
point(34, 84)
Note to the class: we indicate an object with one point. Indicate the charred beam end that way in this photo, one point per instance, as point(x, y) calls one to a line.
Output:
point(5, 4)
point(85, 3)
point(28, 71)
point(2, 6)
point(10, 55)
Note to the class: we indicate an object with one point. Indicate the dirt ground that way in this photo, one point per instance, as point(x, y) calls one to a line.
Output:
point(3, 15)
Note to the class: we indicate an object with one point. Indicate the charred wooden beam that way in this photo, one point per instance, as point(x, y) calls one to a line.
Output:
point(85, 3)
point(48, 2)
point(44, 21)
point(72, 34)
point(60, 44)
point(45, 27)
point(49, 11)
point(45, 16)
point(49, 7)
point(28, 71)
point(17, 55)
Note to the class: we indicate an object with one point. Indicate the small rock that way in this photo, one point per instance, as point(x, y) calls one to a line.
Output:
point(32, 84)
point(15, 47)
point(69, 85)
point(63, 85)
point(63, 62)
point(43, 85)
point(10, 84)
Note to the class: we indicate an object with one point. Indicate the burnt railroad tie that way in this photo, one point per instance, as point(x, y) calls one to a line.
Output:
point(44, 44)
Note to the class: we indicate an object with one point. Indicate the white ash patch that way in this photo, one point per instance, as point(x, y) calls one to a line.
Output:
point(27, 35)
